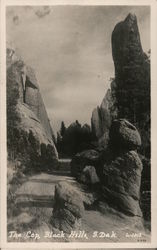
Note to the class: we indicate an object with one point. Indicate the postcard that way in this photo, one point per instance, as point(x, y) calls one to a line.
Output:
point(78, 98)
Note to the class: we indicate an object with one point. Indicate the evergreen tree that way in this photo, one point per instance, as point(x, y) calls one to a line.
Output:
point(59, 142)
point(62, 129)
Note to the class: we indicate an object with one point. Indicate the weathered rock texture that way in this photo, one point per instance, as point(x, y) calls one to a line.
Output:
point(102, 118)
point(124, 135)
point(28, 125)
point(121, 169)
point(68, 208)
point(122, 181)
point(132, 77)
point(89, 176)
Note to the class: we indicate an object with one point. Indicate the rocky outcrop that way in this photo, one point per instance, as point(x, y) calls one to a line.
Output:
point(28, 125)
point(120, 175)
point(124, 135)
point(83, 159)
point(121, 183)
point(130, 99)
point(132, 77)
point(117, 169)
point(89, 176)
point(126, 44)
point(102, 118)
point(68, 208)
point(129, 96)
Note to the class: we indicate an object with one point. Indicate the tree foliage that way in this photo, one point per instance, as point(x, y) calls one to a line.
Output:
point(73, 139)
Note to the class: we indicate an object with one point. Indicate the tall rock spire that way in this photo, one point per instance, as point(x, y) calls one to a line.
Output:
point(126, 44)
point(130, 91)
point(132, 76)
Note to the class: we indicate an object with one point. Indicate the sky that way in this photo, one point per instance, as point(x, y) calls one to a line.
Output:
point(69, 47)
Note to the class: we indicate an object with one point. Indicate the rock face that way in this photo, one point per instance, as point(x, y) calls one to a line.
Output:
point(132, 77)
point(28, 125)
point(68, 208)
point(117, 169)
point(83, 159)
point(121, 174)
point(126, 44)
point(121, 183)
point(122, 168)
point(124, 135)
point(102, 118)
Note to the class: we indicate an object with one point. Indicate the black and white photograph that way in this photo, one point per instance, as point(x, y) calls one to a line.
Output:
point(78, 103)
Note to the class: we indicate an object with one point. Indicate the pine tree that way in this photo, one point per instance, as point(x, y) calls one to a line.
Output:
point(59, 142)
point(62, 129)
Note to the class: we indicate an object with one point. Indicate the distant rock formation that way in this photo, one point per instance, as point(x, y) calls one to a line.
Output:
point(102, 118)
point(68, 208)
point(28, 125)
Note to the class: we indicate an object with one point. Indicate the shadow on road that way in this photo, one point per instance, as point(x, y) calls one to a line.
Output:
point(29, 200)
point(59, 173)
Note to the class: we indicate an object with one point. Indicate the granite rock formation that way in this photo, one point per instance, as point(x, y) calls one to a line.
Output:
point(89, 176)
point(122, 181)
point(130, 92)
point(83, 159)
point(28, 126)
point(122, 169)
point(117, 169)
point(129, 96)
point(102, 118)
point(68, 208)
point(132, 77)
point(124, 135)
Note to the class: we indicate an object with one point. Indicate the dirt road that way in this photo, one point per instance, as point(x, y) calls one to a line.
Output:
point(35, 199)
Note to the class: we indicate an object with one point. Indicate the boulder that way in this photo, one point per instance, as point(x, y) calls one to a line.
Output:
point(80, 160)
point(89, 176)
point(68, 208)
point(124, 135)
point(121, 183)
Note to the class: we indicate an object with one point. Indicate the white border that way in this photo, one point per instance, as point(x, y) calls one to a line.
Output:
point(154, 121)
point(4, 243)
point(3, 154)
point(78, 2)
